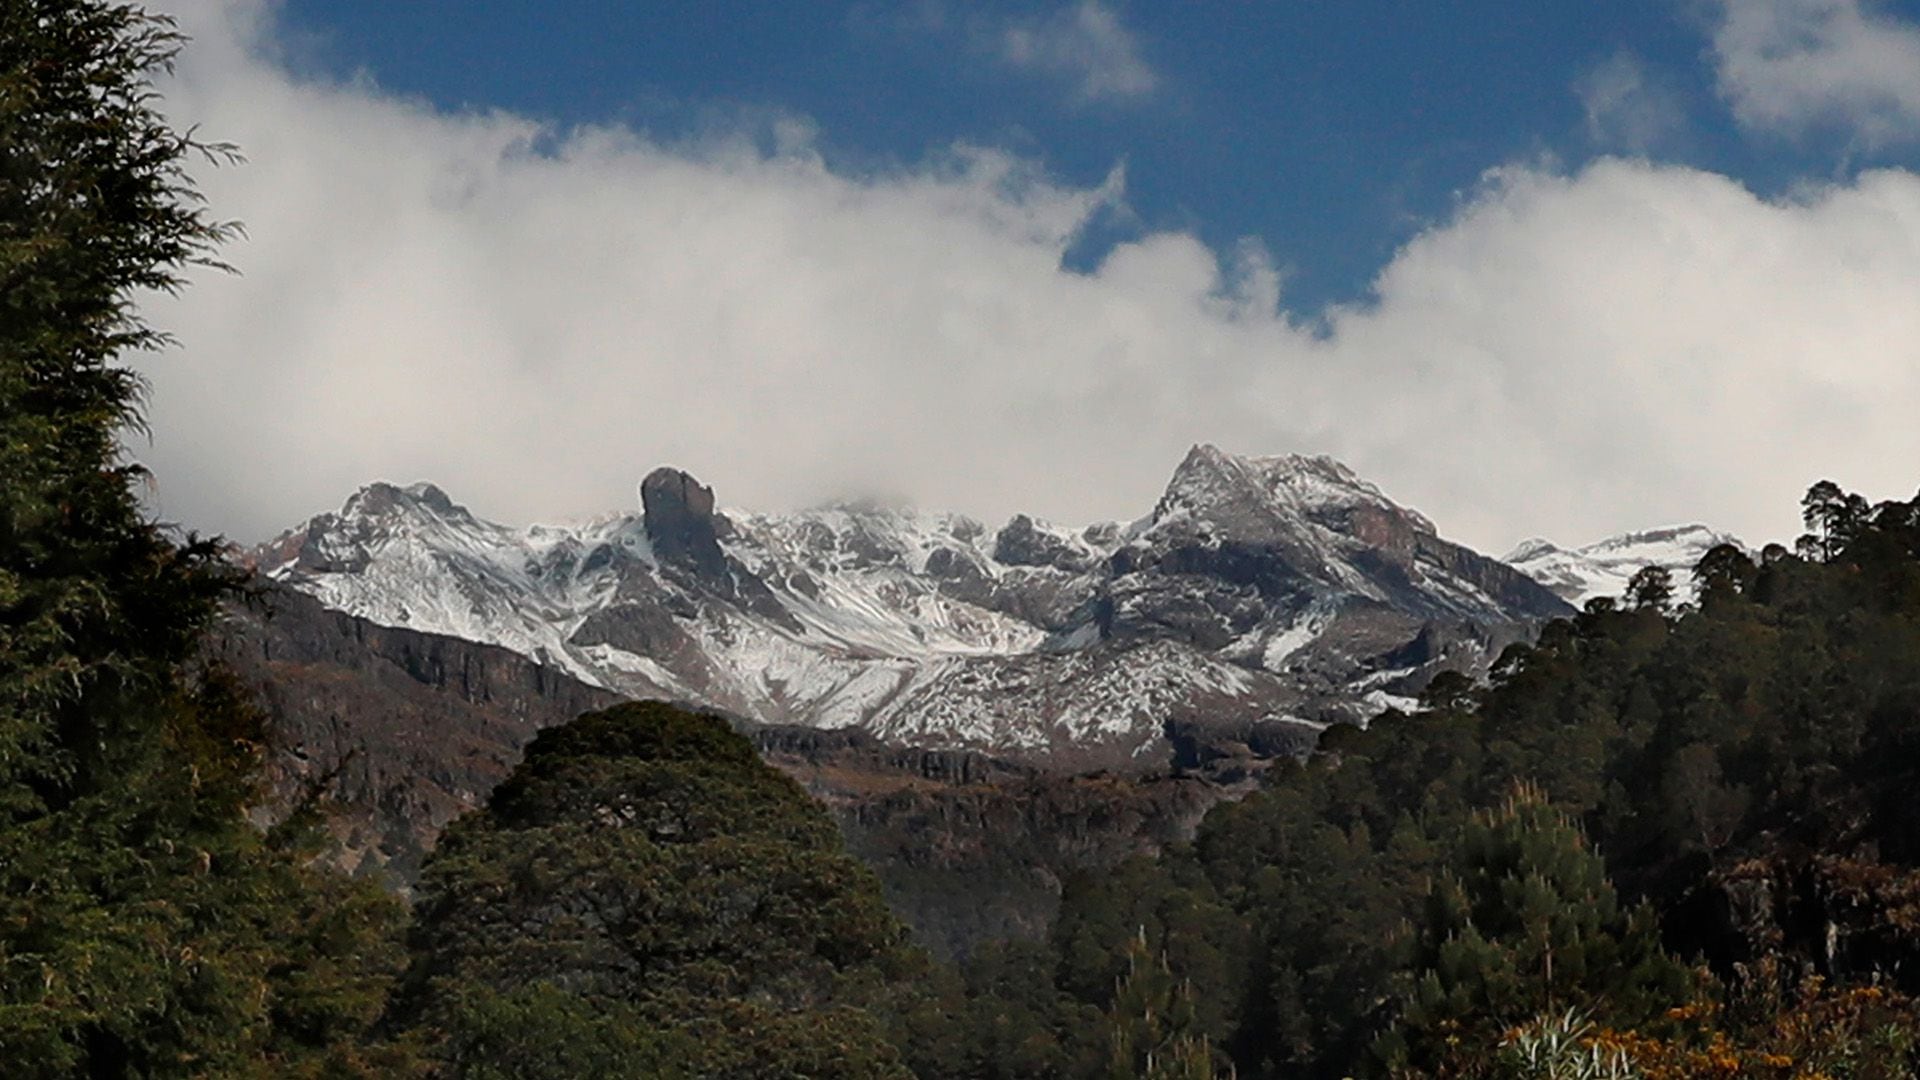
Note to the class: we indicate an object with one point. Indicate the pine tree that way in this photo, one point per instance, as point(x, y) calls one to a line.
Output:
point(1833, 518)
point(1651, 589)
point(1153, 1030)
point(145, 927)
point(1526, 923)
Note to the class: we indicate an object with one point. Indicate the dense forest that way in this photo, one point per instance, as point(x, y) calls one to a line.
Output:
point(1676, 836)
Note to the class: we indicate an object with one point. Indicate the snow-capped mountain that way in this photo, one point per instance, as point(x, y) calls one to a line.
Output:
point(1604, 568)
point(1260, 589)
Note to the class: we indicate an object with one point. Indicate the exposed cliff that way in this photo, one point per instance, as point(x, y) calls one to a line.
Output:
point(397, 730)
point(400, 731)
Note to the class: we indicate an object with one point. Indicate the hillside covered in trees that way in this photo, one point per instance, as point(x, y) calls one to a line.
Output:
point(1676, 836)
point(1684, 832)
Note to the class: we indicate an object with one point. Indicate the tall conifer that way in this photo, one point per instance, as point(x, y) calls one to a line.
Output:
point(145, 928)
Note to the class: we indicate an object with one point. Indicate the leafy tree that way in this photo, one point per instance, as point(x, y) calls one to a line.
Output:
point(145, 927)
point(646, 882)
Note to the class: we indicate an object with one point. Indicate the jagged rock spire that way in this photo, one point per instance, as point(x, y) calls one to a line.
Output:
point(680, 522)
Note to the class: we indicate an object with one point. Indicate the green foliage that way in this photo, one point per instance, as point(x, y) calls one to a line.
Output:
point(146, 929)
point(1153, 1029)
point(1013, 1023)
point(1523, 921)
point(645, 880)
point(1744, 766)
point(1178, 912)
point(539, 1030)
point(96, 606)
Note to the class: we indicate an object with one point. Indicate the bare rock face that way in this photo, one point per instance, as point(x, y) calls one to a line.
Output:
point(681, 524)
point(1024, 543)
point(395, 731)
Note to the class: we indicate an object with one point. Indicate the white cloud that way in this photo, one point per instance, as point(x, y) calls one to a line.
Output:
point(1626, 108)
point(1087, 45)
point(535, 319)
point(1788, 66)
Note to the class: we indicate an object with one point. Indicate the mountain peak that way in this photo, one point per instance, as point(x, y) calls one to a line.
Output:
point(430, 494)
point(1534, 547)
point(1262, 586)
point(1690, 536)
point(381, 499)
point(1231, 490)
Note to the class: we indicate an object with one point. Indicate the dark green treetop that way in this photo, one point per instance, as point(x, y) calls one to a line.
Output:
point(646, 882)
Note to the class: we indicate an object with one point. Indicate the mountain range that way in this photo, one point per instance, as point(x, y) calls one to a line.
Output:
point(1604, 568)
point(1263, 597)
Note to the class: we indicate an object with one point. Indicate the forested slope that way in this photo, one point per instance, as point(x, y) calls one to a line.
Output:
point(1690, 823)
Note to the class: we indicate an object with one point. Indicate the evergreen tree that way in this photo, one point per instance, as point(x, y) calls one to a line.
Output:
point(146, 929)
point(1651, 589)
point(1526, 923)
point(1833, 518)
point(1013, 1023)
point(646, 883)
point(1723, 573)
point(1153, 1030)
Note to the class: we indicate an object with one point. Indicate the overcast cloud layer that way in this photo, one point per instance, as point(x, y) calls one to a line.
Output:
point(535, 319)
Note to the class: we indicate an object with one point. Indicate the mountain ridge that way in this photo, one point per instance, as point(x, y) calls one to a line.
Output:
point(1604, 567)
point(1280, 590)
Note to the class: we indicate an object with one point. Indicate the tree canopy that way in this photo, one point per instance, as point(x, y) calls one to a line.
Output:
point(1718, 813)
point(645, 881)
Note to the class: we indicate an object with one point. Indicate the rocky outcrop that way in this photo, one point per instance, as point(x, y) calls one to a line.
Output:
point(681, 524)
point(1024, 543)
point(808, 751)
point(1842, 917)
point(395, 731)
point(1230, 751)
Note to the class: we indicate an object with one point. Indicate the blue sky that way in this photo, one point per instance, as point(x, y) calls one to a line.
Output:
point(1329, 132)
point(1560, 269)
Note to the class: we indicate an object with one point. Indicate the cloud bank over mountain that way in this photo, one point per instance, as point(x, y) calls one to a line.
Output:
point(536, 317)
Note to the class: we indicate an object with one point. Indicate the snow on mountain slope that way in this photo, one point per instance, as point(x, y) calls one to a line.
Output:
point(860, 575)
point(1260, 588)
point(1605, 567)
